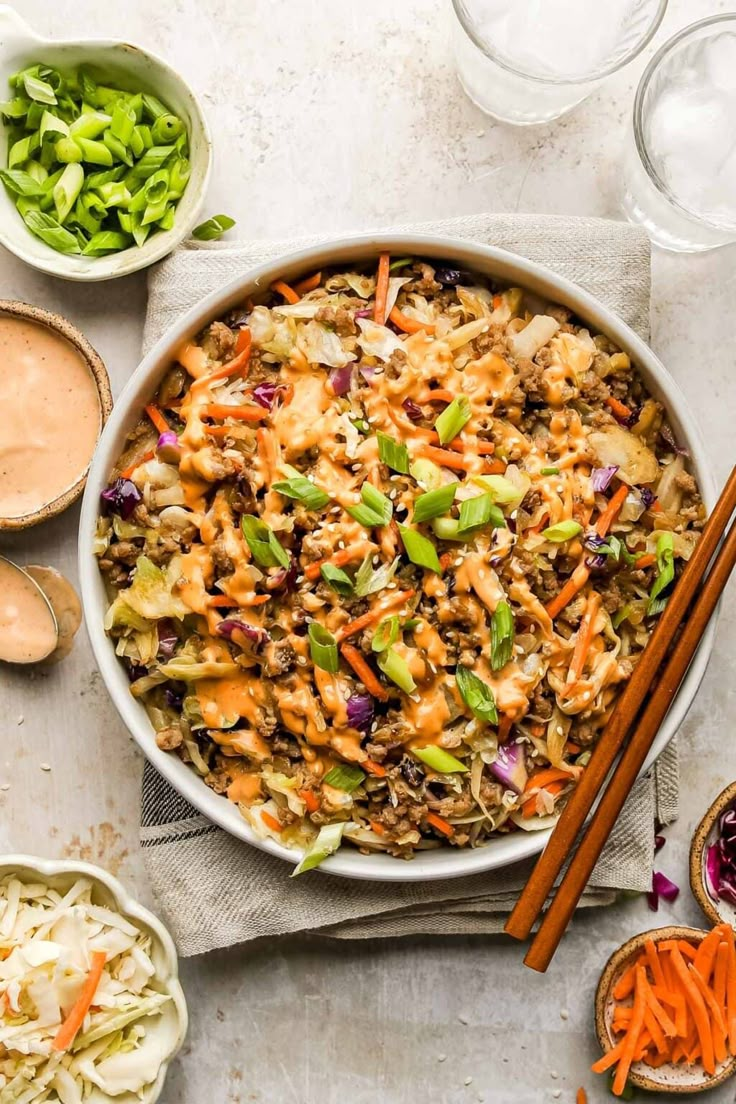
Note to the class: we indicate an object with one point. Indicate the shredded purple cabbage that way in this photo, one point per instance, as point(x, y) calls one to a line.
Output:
point(413, 411)
point(510, 767)
point(632, 419)
point(265, 393)
point(341, 378)
point(284, 578)
point(669, 438)
point(237, 319)
point(601, 477)
point(450, 277)
point(661, 887)
point(368, 372)
point(136, 671)
point(257, 636)
point(173, 699)
point(167, 638)
point(593, 541)
point(720, 860)
point(366, 312)
point(168, 449)
point(648, 497)
point(360, 712)
point(121, 498)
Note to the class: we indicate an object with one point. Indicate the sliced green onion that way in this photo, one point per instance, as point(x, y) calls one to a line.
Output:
point(114, 194)
point(263, 543)
point(386, 634)
point(179, 174)
point(15, 109)
point(38, 89)
point(550, 471)
point(338, 579)
point(396, 668)
point(326, 842)
point(66, 190)
point(375, 510)
point(401, 263)
point(427, 474)
point(213, 228)
point(420, 549)
point(501, 489)
point(96, 153)
point(67, 151)
point(89, 126)
point(476, 694)
point(665, 572)
point(344, 778)
point(21, 151)
point(502, 636)
point(117, 148)
point(452, 419)
point(21, 183)
point(106, 241)
point(302, 490)
point(435, 503)
point(393, 453)
point(153, 106)
point(52, 124)
point(477, 512)
point(49, 230)
point(166, 128)
point(439, 760)
point(563, 531)
point(620, 616)
point(122, 122)
point(151, 162)
point(368, 581)
point(447, 529)
point(323, 648)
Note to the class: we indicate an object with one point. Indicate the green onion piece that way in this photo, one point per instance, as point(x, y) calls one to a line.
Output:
point(96, 153)
point(114, 194)
point(420, 549)
point(20, 183)
point(434, 503)
point(476, 694)
point(140, 233)
point(67, 151)
point(21, 151)
point(620, 615)
point(15, 109)
point(37, 171)
point(323, 648)
point(396, 668)
point(166, 128)
point(563, 531)
point(151, 161)
point(452, 419)
point(153, 107)
point(117, 148)
point(501, 489)
point(52, 124)
point(89, 126)
point(166, 222)
point(376, 508)
point(106, 241)
point(302, 490)
point(338, 579)
point(154, 212)
point(126, 222)
point(502, 636)
point(179, 174)
point(550, 471)
point(213, 228)
point(368, 581)
point(477, 512)
point(136, 143)
point(96, 180)
point(401, 263)
point(67, 189)
point(49, 230)
point(263, 543)
point(665, 572)
point(440, 760)
point(122, 123)
point(38, 89)
point(344, 778)
point(393, 453)
point(327, 841)
point(156, 187)
point(386, 634)
point(428, 475)
point(447, 529)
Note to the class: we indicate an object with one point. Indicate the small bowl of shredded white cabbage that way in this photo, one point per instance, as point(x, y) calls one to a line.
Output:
point(91, 1009)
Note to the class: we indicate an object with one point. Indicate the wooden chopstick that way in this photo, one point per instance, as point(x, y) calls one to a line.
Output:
point(601, 824)
point(533, 896)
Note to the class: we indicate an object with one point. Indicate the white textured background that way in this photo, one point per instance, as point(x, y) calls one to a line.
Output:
point(331, 117)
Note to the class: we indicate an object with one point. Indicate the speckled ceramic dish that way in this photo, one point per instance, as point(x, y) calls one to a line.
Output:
point(669, 1078)
point(171, 1025)
point(128, 66)
point(99, 374)
point(717, 910)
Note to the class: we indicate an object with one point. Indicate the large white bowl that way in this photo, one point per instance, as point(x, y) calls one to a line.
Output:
point(171, 1026)
point(137, 70)
point(503, 266)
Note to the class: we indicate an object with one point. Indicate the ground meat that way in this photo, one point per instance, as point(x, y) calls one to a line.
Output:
point(340, 319)
point(124, 551)
point(593, 388)
point(283, 745)
point(169, 738)
point(454, 805)
point(531, 376)
point(541, 702)
point(491, 793)
point(221, 558)
point(612, 597)
point(544, 583)
point(584, 733)
point(426, 284)
point(117, 575)
point(686, 483)
point(141, 516)
point(278, 658)
point(218, 341)
point(395, 364)
point(161, 550)
point(402, 818)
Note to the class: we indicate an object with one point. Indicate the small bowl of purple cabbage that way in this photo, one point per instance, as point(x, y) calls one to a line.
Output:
point(713, 859)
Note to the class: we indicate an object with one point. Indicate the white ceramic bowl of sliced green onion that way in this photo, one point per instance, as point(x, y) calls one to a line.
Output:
point(105, 174)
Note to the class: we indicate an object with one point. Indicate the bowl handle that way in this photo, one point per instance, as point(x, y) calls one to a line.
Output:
point(14, 31)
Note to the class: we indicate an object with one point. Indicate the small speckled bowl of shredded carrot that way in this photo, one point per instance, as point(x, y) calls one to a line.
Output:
point(383, 549)
point(666, 1011)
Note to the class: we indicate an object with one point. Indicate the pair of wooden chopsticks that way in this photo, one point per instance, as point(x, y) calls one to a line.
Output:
point(689, 609)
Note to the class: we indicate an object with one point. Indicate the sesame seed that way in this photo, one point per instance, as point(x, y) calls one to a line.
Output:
point(5, 786)
point(441, 1057)
point(392, 494)
point(463, 1019)
point(45, 766)
point(559, 730)
point(585, 695)
point(557, 1094)
point(468, 1081)
point(20, 720)
point(554, 1074)
point(564, 1014)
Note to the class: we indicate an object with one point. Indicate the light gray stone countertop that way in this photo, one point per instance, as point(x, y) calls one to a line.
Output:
point(331, 118)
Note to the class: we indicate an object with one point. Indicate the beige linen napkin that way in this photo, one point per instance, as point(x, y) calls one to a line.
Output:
point(216, 890)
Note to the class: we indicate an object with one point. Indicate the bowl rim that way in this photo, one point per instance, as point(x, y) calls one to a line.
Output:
point(508, 267)
point(97, 269)
point(129, 906)
point(61, 325)
point(613, 967)
point(698, 844)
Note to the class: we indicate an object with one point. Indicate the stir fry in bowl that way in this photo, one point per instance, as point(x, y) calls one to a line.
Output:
point(384, 548)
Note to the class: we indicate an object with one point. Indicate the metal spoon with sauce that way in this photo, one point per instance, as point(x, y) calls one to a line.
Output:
point(29, 631)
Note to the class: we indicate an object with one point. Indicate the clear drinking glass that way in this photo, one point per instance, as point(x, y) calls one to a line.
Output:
point(529, 61)
point(680, 158)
